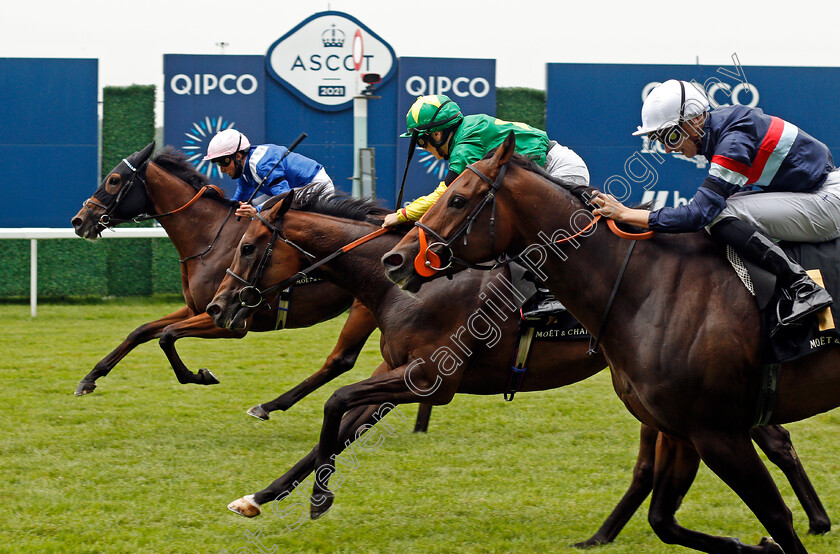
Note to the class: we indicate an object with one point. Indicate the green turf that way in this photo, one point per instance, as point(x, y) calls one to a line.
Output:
point(147, 465)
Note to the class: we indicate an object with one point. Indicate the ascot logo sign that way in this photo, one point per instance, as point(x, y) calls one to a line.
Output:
point(321, 59)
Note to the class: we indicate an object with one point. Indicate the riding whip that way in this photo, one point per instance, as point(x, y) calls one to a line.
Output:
point(407, 163)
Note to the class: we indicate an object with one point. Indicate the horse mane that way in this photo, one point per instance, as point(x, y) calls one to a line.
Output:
point(581, 192)
point(175, 162)
point(314, 199)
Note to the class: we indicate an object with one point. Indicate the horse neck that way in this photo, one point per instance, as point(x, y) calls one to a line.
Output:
point(359, 271)
point(580, 272)
point(196, 226)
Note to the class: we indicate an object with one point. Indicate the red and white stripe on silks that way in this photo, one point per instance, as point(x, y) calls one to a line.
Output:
point(773, 150)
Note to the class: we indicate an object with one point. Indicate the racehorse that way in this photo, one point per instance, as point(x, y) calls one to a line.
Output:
point(681, 335)
point(197, 218)
point(434, 344)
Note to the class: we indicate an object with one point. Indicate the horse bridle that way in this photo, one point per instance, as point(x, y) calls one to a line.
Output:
point(426, 258)
point(105, 220)
point(251, 286)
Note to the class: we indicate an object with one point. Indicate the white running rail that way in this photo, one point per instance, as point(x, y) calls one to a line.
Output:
point(33, 234)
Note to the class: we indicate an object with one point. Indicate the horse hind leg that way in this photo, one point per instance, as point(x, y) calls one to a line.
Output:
point(640, 488)
point(141, 335)
point(424, 413)
point(775, 441)
point(199, 326)
point(355, 332)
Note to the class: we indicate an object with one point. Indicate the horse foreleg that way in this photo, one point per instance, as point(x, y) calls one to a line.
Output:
point(386, 388)
point(200, 326)
point(358, 327)
point(733, 458)
point(283, 486)
point(674, 471)
point(142, 334)
point(640, 488)
point(775, 441)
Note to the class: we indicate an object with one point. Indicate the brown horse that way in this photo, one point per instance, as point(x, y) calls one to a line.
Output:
point(198, 220)
point(452, 337)
point(681, 338)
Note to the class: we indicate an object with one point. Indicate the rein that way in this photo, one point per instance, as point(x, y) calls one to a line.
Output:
point(423, 262)
point(427, 262)
point(254, 296)
point(195, 198)
point(199, 194)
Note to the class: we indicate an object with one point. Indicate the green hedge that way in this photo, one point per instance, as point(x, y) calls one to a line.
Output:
point(75, 267)
point(526, 105)
point(132, 267)
point(128, 122)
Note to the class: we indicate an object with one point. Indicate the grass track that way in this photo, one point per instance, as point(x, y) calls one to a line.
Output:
point(147, 465)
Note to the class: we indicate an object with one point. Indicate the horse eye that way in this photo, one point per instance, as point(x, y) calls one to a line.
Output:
point(457, 202)
point(114, 180)
point(247, 249)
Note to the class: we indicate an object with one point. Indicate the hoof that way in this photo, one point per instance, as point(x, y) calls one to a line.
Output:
point(819, 527)
point(590, 543)
point(321, 503)
point(258, 412)
point(769, 545)
point(245, 506)
point(207, 378)
point(85, 387)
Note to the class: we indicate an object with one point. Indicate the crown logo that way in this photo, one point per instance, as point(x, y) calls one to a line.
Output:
point(333, 38)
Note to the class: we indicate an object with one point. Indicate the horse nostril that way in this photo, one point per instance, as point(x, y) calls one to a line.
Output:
point(393, 260)
point(213, 310)
point(76, 222)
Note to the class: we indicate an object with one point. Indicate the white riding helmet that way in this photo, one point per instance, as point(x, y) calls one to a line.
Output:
point(226, 143)
point(670, 103)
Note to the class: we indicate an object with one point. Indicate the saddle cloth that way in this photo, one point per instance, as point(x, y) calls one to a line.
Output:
point(550, 320)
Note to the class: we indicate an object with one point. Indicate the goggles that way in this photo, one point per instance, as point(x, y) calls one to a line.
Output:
point(223, 161)
point(670, 136)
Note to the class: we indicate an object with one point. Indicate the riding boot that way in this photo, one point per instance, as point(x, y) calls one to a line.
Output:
point(803, 294)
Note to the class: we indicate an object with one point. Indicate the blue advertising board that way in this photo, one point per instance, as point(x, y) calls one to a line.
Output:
point(594, 108)
point(471, 83)
point(206, 94)
point(48, 138)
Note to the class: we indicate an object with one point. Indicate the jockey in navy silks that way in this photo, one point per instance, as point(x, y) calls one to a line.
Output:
point(767, 180)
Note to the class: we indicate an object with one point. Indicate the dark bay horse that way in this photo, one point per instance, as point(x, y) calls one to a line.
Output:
point(682, 337)
point(199, 223)
point(452, 337)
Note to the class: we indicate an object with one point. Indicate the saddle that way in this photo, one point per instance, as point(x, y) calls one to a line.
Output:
point(822, 261)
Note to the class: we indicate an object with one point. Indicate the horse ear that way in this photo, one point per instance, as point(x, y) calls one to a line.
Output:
point(285, 204)
point(505, 151)
point(146, 153)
